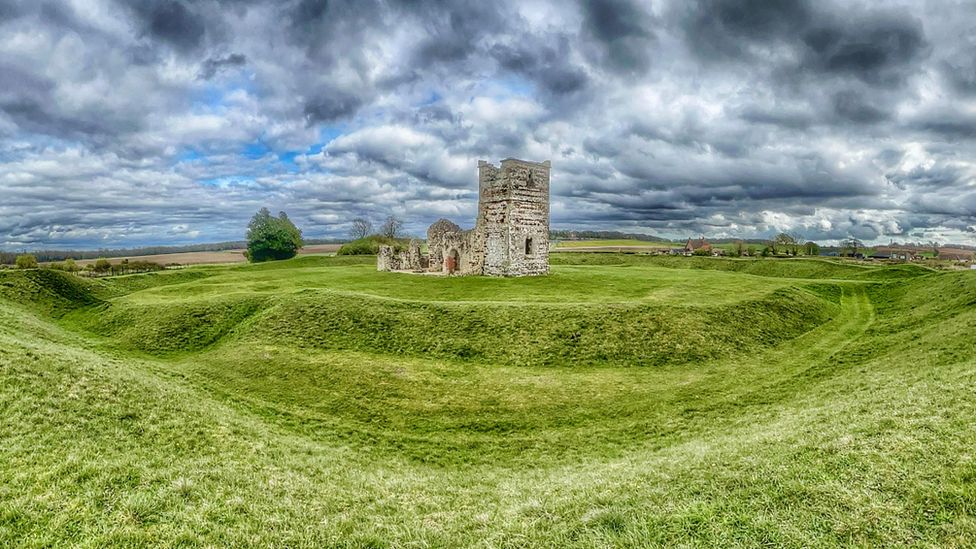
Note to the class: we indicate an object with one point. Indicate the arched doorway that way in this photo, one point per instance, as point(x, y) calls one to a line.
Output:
point(451, 262)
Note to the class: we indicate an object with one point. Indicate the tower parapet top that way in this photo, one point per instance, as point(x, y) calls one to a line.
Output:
point(526, 162)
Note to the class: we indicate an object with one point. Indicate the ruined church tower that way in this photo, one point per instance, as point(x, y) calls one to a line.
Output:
point(513, 217)
point(510, 236)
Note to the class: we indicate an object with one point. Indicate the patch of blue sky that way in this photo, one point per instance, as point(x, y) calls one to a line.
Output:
point(287, 160)
point(209, 97)
point(327, 134)
point(213, 95)
point(432, 98)
point(189, 155)
point(227, 181)
point(513, 85)
point(256, 149)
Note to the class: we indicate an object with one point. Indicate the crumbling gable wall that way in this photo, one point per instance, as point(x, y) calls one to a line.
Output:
point(412, 258)
point(435, 242)
point(386, 260)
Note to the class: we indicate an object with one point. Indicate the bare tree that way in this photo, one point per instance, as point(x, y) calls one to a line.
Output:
point(361, 228)
point(851, 246)
point(785, 242)
point(391, 227)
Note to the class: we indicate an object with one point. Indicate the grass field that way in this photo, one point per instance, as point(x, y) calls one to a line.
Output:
point(210, 258)
point(620, 401)
point(630, 246)
point(612, 243)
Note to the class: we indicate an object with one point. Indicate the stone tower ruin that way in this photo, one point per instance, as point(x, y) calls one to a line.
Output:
point(513, 217)
point(511, 232)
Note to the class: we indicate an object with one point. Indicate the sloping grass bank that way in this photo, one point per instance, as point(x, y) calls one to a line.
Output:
point(512, 334)
point(540, 335)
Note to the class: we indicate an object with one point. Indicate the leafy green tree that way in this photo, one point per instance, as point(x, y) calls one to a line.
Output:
point(26, 261)
point(811, 248)
point(271, 238)
point(102, 266)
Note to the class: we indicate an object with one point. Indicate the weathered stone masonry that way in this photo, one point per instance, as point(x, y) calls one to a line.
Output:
point(511, 232)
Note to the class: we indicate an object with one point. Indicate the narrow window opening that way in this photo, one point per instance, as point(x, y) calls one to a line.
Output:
point(528, 246)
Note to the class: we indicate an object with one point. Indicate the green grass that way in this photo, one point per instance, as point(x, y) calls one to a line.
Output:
point(611, 243)
point(621, 401)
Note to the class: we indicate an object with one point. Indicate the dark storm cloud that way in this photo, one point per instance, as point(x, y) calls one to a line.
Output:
point(171, 21)
point(947, 123)
point(167, 120)
point(962, 75)
point(623, 32)
point(213, 65)
point(880, 49)
point(876, 46)
point(330, 106)
point(717, 29)
point(854, 107)
point(27, 100)
point(31, 115)
point(787, 118)
point(450, 38)
point(317, 25)
point(545, 63)
point(22, 82)
point(10, 9)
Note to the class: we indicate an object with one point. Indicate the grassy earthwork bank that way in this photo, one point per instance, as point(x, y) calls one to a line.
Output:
point(620, 401)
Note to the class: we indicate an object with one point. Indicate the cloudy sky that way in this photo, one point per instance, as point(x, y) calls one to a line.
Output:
point(127, 123)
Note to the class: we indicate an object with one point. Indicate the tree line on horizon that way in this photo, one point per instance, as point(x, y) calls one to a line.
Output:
point(45, 256)
point(269, 237)
point(100, 267)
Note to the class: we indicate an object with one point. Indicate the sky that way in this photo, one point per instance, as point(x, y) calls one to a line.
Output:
point(153, 122)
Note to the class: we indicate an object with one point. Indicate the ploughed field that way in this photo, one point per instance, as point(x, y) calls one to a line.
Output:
point(620, 401)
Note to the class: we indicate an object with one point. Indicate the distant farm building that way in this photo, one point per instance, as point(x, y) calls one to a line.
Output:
point(895, 253)
point(511, 232)
point(699, 245)
point(961, 256)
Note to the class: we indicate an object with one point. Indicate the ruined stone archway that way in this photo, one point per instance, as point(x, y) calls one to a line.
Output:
point(452, 261)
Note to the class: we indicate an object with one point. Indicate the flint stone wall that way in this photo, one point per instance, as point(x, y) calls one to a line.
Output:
point(385, 261)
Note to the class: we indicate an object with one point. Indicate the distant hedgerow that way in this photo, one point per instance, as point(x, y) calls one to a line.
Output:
point(369, 245)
